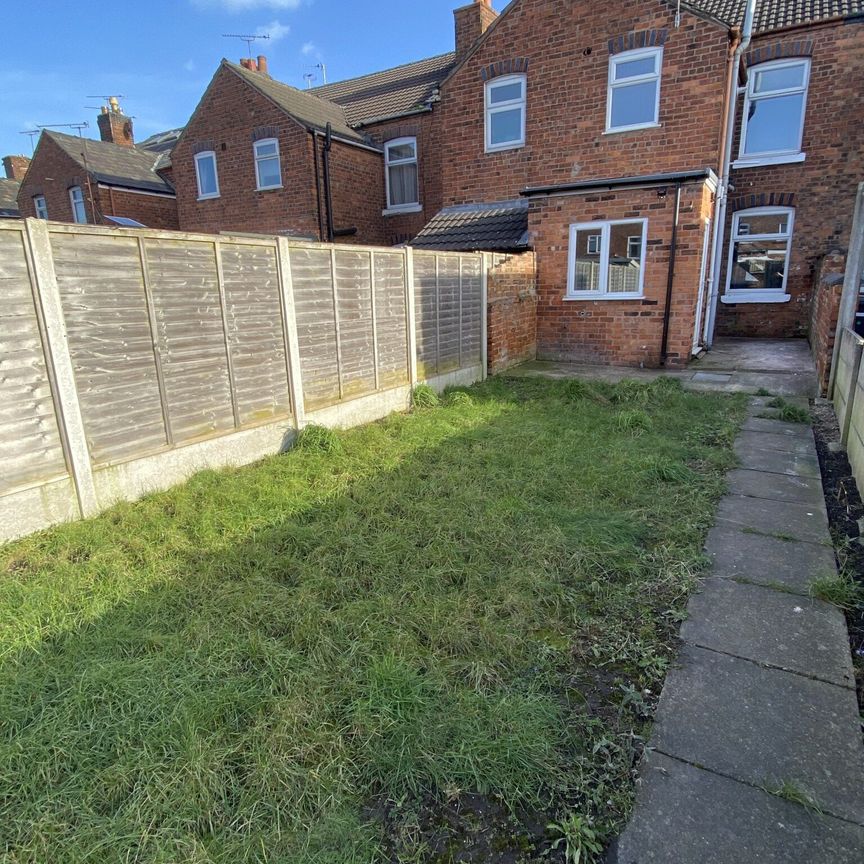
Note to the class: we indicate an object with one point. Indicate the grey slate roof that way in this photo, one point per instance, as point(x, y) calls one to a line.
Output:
point(771, 14)
point(9, 198)
point(308, 109)
point(112, 164)
point(389, 93)
point(161, 142)
point(500, 226)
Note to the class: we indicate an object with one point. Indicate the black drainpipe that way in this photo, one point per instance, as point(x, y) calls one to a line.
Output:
point(314, 135)
point(328, 192)
point(673, 249)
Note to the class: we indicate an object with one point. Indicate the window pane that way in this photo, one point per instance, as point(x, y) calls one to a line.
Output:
point(631, 68)
point(587, 274)
point(505, 92)
point(206, 175)
point(764, 223)
point(401, 151)
point(505, 126)
point(634, 104)
point(403, 185)
point(624, 270)
point(775, 124)
point(778, 79)
point(758, 266)
point(268, 172)
point(265, 148)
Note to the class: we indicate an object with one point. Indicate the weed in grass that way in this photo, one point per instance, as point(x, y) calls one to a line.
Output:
point(577, 390)
point(458, 397)
point(788, 790)
point(841, 589)
point(788, 412)
point(629, 391)
point(763, 392)
point(633, 420)
point(318, 439)
point(423, 396)
point(582, 844)
point(666, 470)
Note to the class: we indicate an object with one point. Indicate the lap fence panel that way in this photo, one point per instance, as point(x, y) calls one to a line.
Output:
point(426, 313)
point(391, 317)
point(352, 274)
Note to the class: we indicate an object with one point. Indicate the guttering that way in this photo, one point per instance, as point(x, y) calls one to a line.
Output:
point(609, 184)
point(315, 135)
point(721, 199)
point(670, 278)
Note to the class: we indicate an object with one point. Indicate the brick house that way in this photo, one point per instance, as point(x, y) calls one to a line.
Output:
point(112, 181)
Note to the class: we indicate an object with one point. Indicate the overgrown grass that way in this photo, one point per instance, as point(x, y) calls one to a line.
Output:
point(841, 589)
point(788, 411)
point(254, 666)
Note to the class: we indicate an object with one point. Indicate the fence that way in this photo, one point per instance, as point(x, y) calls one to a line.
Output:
point(849, 399)
point(131, 358)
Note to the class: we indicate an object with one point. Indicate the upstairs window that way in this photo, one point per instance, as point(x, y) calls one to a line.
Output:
point(759, 256)
point(40, 206)
point(505, 113)
point(76, 198)
point(400, 157)
point(268, 171)
point(633, 98)
point(774, 106)
point(607, 260)
point(205, 171)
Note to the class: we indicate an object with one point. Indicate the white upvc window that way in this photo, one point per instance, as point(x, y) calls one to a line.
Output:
point(505, 113)
point(40, 206)
point(401, 175)
point(79, 212)
point(268, 170)
point(206, 174)
point(774, 106)
point(633, 96)
point(758, 268)
point(611, 272)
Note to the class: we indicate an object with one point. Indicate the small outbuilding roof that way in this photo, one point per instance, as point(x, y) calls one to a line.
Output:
point(499, 226)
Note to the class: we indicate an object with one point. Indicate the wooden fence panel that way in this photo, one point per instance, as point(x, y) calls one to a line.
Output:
point(105, 310)
point(30, 444)
point(190, 335)
point(473, 313)
point(255, 332)
point(449, 313)
point(426, 312)
point(353, 287)
point(391, 317)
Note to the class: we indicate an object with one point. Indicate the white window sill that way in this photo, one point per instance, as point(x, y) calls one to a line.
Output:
point(759, 161)
point(398, 211)
point(755, 297)
point(267, 188)
point(501, 148)
point(620, 130)
point(591, 295)
point(208, 197)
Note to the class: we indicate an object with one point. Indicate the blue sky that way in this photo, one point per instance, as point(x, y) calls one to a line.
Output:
point(59, 54)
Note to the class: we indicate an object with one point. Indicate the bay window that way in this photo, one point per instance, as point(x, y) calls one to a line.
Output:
point(606, 260)
point(759, 256)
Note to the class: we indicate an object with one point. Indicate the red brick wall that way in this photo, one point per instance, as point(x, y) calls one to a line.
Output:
point(154, 211)
point(471, 22)
point(625, 332)
point(823, 186)
point(824, 310)
point(567, 49)
point(512, 310)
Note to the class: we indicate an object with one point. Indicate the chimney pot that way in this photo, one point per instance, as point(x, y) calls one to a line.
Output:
point(262, 64)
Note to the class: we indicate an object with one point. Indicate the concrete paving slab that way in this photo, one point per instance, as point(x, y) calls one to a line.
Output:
point(711, 377)
point(777, 487)
point(777, 462)
point(764, 726)
point(771, 627)
point(778, 518)
point(782, 443)
point(777, 427)
point(684, 815)
point(768, 561)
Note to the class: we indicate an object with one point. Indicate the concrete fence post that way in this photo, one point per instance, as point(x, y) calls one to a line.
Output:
point(412, 317)
point(289, 327)
point(484, 312)
point(59, 361)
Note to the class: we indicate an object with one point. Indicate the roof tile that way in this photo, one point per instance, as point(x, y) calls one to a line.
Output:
point(500, 226)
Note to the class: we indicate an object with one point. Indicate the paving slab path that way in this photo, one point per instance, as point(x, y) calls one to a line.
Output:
point(762, 697)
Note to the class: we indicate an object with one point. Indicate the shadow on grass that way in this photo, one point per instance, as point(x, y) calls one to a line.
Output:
point(435, 640)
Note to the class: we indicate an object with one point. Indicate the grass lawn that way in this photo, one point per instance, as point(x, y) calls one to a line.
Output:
point(428, 642)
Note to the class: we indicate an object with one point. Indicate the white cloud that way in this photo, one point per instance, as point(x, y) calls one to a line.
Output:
point(247, 5)
point(276, 30)
point(308, 49)
point(189, 65)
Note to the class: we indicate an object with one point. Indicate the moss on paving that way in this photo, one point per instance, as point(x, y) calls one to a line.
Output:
point(254, 666)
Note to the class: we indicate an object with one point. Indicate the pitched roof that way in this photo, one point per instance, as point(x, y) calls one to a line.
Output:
point(390, 93)
point(771, 14)
point(161, 141)
point(500, 226)
point(309, 110)
point(9, 197)
point(112, 164)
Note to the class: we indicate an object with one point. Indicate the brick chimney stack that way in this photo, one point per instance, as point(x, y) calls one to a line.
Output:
point(259, 65)
point(114, 126)
point(471, 23)
point(15, 166)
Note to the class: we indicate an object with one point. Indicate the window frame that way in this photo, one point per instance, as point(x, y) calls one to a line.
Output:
point(594, 246)
point(605, 228)
point(746, 295)
point(414, 206)
point(612, 85)
point(630, 239)
point(78, 218)
point(257, 158)
point(40, 204)
point(489, 109)
point(782, 155)
point(198, 157)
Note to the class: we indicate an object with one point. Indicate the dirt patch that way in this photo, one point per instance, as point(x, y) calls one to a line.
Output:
point(845, 509)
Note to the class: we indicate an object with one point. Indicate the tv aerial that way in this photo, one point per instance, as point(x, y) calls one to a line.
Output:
point(246, 38)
